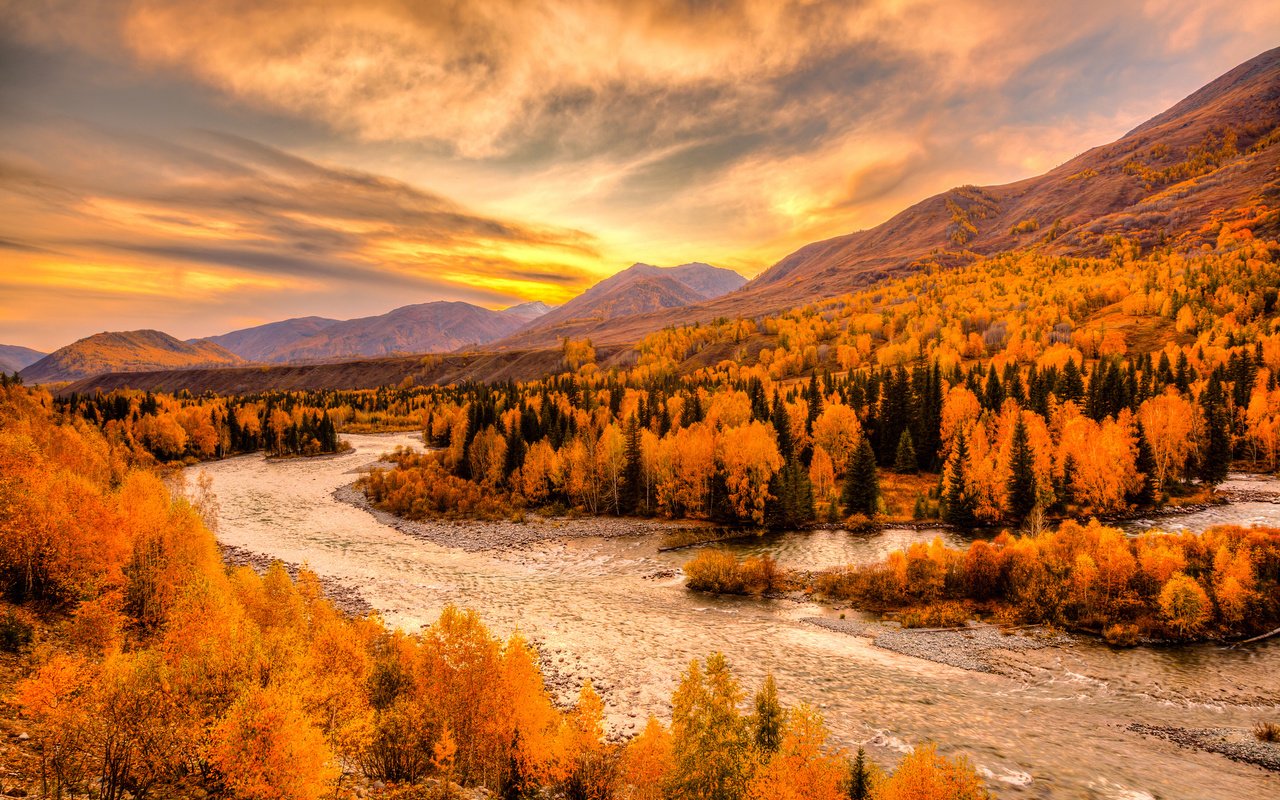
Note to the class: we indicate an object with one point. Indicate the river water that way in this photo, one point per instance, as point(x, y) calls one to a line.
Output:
point(610, 609)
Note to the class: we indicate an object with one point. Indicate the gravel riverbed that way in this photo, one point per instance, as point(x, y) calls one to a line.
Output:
point(1234, 743)
point(974, 648)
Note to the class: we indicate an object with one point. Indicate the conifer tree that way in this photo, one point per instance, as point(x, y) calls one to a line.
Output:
point(905, 460)
point(861, 484)
point(633, 472)
point(1021, 487)
point(958, 502)
point(1215, 454)
point(859, 777)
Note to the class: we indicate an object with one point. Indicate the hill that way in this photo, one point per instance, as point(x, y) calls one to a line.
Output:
point(15, 357)
point(1171, 181)
point(260, 342)
point(125, 351)
point(638, 289)
point(515, 365)
point(438, 327)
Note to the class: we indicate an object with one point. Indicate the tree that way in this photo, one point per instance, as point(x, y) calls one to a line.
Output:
point(958, 501)
point(1168, 420)
point(267, 749)
point(861, 777)
point(709, 739)
point(769, 717)
point(633, 501)
point(924, 775)
point(748, 456)
point(861, 484)
point(905, 459)
point(1215, 453)
point(801, 766)
point(1184, 605)
point(1021, 486)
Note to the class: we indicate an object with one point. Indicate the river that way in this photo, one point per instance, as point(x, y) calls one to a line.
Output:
point(603, 608)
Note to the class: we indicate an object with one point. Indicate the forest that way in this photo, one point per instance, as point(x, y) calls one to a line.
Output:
point(971, 396)
point(143, 667)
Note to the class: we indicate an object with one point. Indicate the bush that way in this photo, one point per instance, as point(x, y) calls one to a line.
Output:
point(936, 615)
point(1121, 634)
point(16, 631)
point(1267, 732)
point(720, 573)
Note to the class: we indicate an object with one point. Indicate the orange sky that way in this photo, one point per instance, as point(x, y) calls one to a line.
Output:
point(198, 167)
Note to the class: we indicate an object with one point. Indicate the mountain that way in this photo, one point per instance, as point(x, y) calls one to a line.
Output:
point(528, 311)
point(1161, 182)
point(14, 357)
point(638, 289)
point(1169, 182)
point(438, 327)
point(259, 342)
point(125, 351)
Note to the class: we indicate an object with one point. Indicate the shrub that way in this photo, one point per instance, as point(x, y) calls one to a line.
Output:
point(936, 615)
point(719, 572)
point(1120, 634)
point(15, 631)
point(1267, 732)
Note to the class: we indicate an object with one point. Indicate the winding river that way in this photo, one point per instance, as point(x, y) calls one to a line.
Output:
point(609, 609)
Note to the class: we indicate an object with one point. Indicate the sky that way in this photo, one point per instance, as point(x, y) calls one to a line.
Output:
point(199, 167)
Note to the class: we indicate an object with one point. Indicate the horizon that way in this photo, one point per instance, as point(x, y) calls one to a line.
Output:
point(171, 168)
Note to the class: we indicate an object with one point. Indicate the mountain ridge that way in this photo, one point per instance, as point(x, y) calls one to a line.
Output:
point(1127, 187)
point(125, 351)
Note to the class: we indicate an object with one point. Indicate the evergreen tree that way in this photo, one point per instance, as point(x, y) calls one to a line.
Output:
point(905, 460)
point(782, 427)
point(1022, 476)
point(633, 472)
point(859, 777)
point(1071, 384)
point(1215, 454)
point(861, 485)
point(958, 502)
point(1146, 466)
point(993, 393)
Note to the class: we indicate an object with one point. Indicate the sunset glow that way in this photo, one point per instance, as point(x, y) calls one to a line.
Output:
point(191, 166)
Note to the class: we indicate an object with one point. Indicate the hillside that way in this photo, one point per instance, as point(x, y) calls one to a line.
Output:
point(370, 373)
point(638, 289)
point(1170, 181)
point(125, 351)
point(260, 342)
point(438, 327)
point(15, 357)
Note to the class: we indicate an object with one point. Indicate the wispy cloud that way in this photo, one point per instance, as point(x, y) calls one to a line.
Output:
point(501, 150)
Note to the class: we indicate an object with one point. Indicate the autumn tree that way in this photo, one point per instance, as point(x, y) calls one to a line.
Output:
point(709, 738)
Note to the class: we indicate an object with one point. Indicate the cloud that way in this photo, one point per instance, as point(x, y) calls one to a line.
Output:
point(730, 131)
point(218, 215)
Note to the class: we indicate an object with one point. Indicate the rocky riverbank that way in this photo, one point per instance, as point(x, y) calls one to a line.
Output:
point(1233, 743)
point(974, 648)
point(345, 598)
point(479, 535)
